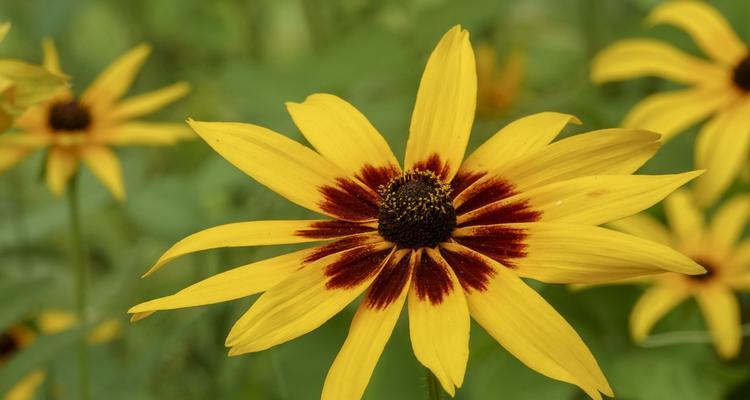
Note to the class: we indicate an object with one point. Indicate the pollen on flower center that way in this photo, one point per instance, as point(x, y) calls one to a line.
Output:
point(65, 116)
point(741, 75)
point(416, 210)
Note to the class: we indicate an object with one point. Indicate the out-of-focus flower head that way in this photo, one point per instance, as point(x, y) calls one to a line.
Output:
point(498, 86)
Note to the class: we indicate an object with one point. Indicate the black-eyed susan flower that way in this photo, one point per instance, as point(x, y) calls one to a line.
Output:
point(23, 85)
point(12, 340)
point(83, 129)
point(451, 236)
point(715, 246)
point(498, 85)
point(719, 89)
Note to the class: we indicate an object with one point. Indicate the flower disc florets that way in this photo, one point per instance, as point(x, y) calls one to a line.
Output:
point(69, 116)
point(741, 76)
point(416, 210)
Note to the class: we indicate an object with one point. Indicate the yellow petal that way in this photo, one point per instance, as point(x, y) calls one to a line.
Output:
point(150, 102)
point(104, 164)
point(445, 105)
point(685, 219)
point(31, 85)
point(27, 387)
point(61, 165)
point(341, 133)
point(722, 149)
point(730, 222)
point(146, 134)
point(51, 61)
point(636, 58)
point(261, 153)
point(4, 29)
point(440, 332)
point(520, 137)
point(116, 79)
point(350, 373)
point(302, 302)
point(645, 226)
point(705, 25)
point(722, 313)
point(55, 321)
point(240, 234)
point(672, 112)
point(567, 253)
point(530, 329)
point(12, 155)
point(233, 284)
point(106, 331)
point(592, 200)
point(655, 302)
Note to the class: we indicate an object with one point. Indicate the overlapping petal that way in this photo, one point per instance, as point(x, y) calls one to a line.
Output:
point(656, 302)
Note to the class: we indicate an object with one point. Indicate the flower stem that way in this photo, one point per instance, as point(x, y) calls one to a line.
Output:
point(434, 390)
point(80, 264)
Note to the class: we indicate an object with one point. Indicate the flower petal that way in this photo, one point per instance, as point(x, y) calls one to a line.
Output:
point(106, 167)
point(12, 155)
point(61, 165)
point(645, 226)
point(530, 329)
point(116, 79)
point(636, 58)
point(342, 134)
point(150, 102)
point(722, 313)
point(722, 149)
point(730, 222)
point(685, 219)
point(306, 299)
point(146, 134)
point(672, 112)
point(241, 234)
point(351, 371)
point(705, 25)
point(589, 200)
point(655, 302)
point(567, 253)
point(520, 137)
point(445, 105)
point(305, 178)
point(51, 61)
point(439, 331)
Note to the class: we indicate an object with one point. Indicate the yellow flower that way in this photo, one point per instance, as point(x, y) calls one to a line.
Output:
point(451, 236)
point(23, 85)
point(497, 87)
point(719, 89)
point(84, 128)
point(716, 248)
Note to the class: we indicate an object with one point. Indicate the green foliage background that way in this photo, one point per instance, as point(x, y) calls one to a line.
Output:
point(244, 60)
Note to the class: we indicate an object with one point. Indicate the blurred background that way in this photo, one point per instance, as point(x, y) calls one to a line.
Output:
point(244, 59)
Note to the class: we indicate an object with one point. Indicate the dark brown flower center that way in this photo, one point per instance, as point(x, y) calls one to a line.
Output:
point(710, 270)
point(8, 345)
point(741, 75)
point(416, 210)
point(67, 116)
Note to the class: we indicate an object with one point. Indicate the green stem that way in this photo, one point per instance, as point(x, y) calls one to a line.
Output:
point(80, 264)
point(434, 390)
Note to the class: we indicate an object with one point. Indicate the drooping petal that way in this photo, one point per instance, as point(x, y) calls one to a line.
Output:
point(307, 298)
point(116, 79)
point(722, 312)
point(590, 200)
point(242, 234)
point(645, 226)
point(636, 58)
point(685, 219)
point(705, 25)
point(673, 112)
point(368, 334)
point(530, 329)
point(61, 165)
point(104, 164)
point(722, 148)
point(343, 135)
point(150, 102)
point(655, 302)
point(439, 330)
point(306, 178)
point(520, 137)
point(730, 222)
point(567, 253)
point(146, 134)
point(445, 105)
